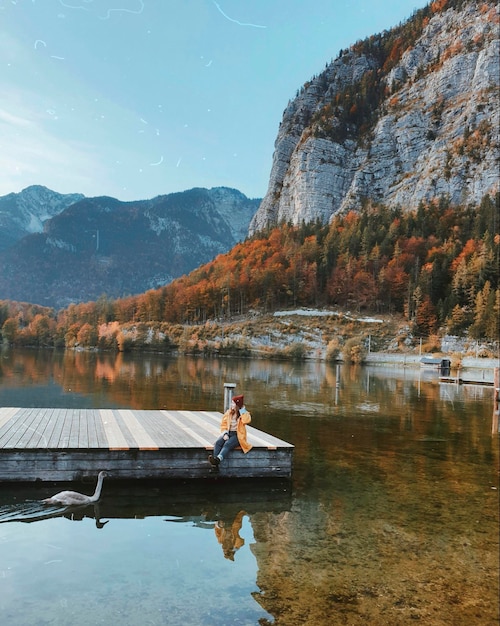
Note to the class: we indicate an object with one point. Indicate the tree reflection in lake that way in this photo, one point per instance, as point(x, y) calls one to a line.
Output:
point(391, 515)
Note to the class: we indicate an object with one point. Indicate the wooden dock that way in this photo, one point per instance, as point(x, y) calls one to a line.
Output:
point(49, 444)
point(463, 381)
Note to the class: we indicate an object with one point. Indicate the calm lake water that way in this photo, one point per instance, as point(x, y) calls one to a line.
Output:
point(391, 517)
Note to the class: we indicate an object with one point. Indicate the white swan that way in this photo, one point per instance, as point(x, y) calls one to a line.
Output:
point(69, 498)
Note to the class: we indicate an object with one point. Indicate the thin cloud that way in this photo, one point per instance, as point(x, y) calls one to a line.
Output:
point(29, 154)
point(15, 120)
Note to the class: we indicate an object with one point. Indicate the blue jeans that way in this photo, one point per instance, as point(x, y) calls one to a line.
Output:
point(222, 448)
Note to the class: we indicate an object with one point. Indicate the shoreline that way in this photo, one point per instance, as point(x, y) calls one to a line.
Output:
point(391, 358)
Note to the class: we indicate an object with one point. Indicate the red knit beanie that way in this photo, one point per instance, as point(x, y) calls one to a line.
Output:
point(238, 400)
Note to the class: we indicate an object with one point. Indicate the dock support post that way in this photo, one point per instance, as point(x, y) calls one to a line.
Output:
point(228, 394)
point(496, 400)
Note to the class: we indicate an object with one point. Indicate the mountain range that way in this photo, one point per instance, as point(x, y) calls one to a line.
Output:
point(59, 249)
point(25, 213)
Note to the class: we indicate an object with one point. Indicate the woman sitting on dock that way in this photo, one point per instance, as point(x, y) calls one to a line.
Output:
point(233, 432)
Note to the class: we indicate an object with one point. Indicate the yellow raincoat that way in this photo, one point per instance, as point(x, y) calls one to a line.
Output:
point(241, 430)
point(229, 536)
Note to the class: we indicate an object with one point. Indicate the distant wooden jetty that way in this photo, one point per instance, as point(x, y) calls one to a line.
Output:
point(462, 381)
point(54, 444)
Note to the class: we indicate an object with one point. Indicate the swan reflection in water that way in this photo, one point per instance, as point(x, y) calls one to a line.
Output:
point(36, 512)
point(68, 504)
point(219, 508)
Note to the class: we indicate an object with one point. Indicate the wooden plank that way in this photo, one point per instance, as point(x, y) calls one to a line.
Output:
point(58, 417)
point(167, 463)
point(206, 429)
point(6, 413)
point(144, 429)
point(50, 424)
point(209, 420)
point(92, 439)
point(129, 440)
point(114, 436)
point(95, 430)
point(9, 428)
point(21, 433)
point(161, 429)
point(83, 428)
point(34, 433)
point(137, 430)
point(179, 434)
point(175, 417)
point(102, 441)
point(66, 429)
point(259, 440)
point(40, 438)
point(74, 431)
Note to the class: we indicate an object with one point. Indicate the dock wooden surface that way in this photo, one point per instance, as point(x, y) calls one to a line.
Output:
point(58, 444)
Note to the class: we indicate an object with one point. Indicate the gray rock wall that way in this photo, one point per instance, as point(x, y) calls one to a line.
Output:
point(436, 133)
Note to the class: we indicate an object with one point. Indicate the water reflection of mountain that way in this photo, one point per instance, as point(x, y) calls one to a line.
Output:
point(198, 502)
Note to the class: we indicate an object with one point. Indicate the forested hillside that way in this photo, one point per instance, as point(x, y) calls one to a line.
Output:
point(437, 266)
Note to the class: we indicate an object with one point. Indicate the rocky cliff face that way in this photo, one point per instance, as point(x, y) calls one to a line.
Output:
point(403, 117)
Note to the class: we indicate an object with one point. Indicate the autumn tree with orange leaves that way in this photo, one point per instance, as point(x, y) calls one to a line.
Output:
point(437, 266)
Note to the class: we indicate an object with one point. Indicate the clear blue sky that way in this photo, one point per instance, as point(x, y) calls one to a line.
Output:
point(136, 98)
